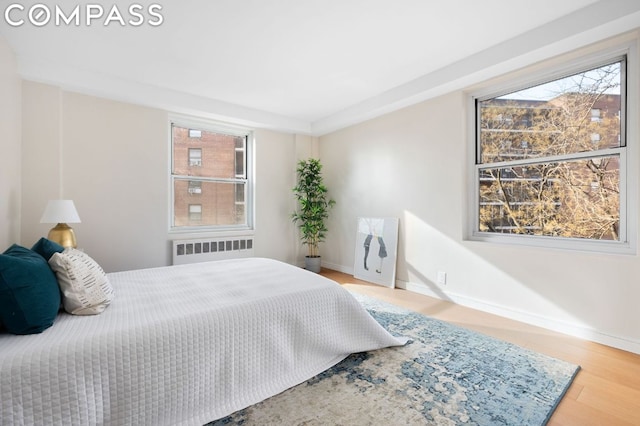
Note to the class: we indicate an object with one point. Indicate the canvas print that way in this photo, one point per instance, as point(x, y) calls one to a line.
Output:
point(376, 247)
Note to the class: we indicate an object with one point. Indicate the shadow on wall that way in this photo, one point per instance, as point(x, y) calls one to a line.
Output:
point(477, 280)
point(433, 288)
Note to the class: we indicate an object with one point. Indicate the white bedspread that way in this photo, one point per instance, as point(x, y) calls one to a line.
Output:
point(184, 345)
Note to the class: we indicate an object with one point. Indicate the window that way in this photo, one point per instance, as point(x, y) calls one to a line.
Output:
point(195, 187)
point(195, 212)
point(210, 182)
point(195, 157)
point(554, 169)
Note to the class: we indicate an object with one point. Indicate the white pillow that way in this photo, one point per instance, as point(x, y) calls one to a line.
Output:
point(85, 287)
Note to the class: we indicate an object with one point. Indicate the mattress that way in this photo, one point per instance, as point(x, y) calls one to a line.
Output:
point(184, 345)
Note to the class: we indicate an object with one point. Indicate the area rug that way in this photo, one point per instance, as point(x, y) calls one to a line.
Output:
point(446, 375)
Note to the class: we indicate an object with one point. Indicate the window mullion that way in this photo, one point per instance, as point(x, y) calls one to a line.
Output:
point(210, 179)
point(553, 158)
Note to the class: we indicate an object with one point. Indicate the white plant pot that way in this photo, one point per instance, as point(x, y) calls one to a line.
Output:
point(312, 263)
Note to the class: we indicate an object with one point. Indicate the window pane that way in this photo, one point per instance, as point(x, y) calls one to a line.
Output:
point(556, 118)
point(240, 195)
point(215, 201)
point(240, 164)
point(209, 155)
point(577, 199)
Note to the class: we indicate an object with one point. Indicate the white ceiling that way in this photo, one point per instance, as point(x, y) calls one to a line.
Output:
point(306, 66)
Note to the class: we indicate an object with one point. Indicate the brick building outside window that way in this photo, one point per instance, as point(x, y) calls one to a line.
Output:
point(209, 174)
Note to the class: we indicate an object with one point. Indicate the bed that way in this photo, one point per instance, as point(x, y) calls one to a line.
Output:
point(184, 345)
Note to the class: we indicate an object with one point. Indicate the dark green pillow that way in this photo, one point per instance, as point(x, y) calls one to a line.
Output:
point(29, 292)
point(46, 248)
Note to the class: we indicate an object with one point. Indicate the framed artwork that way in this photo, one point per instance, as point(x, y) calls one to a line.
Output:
point(376, 250)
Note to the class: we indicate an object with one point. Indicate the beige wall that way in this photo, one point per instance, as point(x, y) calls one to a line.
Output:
point(276, 235)
point(112, 159)
point(10, 99)
point(412, 164)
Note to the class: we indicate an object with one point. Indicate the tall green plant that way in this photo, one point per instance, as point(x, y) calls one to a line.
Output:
point(313, 204)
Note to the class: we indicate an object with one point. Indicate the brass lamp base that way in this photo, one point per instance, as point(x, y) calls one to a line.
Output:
point(63, 234)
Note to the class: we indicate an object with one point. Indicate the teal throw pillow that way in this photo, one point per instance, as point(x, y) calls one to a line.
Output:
point(46, 248)
point(29, 292)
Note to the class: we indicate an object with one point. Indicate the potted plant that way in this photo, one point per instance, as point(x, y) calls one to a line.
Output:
point(313, 209)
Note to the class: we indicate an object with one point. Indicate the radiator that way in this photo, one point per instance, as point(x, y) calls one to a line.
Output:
point(206, 249)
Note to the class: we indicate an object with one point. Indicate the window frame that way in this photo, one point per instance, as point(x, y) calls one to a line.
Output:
point(216, 127)
point(627, 150)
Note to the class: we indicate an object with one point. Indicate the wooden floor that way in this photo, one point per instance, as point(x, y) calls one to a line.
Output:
point(605, 392)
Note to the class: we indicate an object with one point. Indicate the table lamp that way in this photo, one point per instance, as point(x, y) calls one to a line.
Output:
point(61, 212)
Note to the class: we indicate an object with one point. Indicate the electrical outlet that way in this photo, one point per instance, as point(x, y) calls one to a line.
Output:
point(442, 278)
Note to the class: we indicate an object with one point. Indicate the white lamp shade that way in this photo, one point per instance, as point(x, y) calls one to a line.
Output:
point(60, 211)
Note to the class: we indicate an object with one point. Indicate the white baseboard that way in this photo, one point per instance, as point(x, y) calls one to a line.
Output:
point(339, 268)
point(575, 330)
point(526, 317)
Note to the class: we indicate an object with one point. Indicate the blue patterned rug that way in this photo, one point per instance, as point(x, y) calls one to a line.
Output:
point(447, 375)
